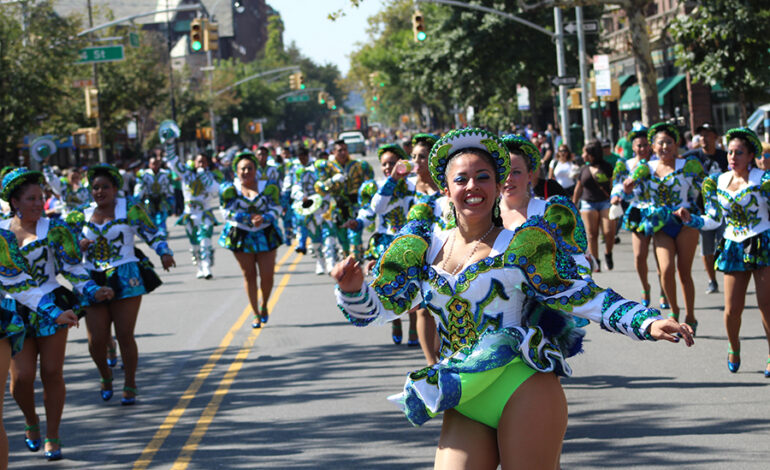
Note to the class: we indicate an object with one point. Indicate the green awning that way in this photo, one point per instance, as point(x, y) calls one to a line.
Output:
point(624, 78)
point(632, 100)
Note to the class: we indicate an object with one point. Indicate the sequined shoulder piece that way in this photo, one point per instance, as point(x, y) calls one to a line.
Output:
point(538, 253)
point(709, 188)
point(12, 263)
point(561, 211)
point(367, 192)
point(693, 166)
point(63, 241)
point(137, 215)
point(271, 190)
point(227, 193)
point(398, 271)
point(641, 171)
point(421, 211)
point(620, 169)
point(75, 218)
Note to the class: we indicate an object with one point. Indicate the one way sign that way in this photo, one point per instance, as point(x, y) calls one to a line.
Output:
point(564, 81)
point(589, 26)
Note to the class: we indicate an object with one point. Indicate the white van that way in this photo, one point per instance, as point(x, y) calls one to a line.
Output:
point(756, 122)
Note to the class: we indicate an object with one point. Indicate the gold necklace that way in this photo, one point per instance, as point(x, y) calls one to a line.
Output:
point(467, 258)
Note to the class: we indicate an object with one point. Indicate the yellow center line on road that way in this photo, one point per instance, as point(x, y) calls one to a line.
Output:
point(208, 414)
point(145, 459)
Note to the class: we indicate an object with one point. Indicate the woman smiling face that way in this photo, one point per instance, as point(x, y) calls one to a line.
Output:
point(664, 146)
point(472, 185)
point(516, 187)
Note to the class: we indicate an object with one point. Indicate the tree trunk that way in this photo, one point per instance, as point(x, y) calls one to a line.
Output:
point(742, 107)
point(645, 70)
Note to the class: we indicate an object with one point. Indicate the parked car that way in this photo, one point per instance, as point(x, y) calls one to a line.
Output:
point(756, 122)
point(355, 141)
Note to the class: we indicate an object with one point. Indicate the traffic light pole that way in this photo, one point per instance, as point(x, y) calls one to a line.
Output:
point(212, 117)
point(587, 131)
point(95, 78)
point(561, 68)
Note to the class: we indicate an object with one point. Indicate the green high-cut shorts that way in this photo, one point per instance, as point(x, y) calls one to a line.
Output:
point(485, 394)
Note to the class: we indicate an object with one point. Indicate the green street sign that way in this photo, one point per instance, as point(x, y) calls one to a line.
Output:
point(298, 98)
point(133, 39)
point(97, 54)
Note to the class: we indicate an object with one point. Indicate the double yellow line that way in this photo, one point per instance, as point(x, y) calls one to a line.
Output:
point(173, 417)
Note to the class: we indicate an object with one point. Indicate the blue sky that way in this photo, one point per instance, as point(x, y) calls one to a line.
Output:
point(319, 38)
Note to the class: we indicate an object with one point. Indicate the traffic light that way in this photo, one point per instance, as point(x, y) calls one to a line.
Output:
point(418, 26)
point(331, 104)
point(372, 79)
point(211, 37)
point(322, 97)
point(575, 95)
point(196, 34)
point(92, 102)
point(300, 80)
point(293, 82)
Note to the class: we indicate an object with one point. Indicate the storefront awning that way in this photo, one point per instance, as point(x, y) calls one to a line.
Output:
point(631, 99)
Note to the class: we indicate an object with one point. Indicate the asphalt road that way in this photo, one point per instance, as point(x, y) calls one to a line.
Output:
point(308, 390)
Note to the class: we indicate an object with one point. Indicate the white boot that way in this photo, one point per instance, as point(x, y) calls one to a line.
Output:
point(200, 274)
point(319, 266)
point(205, 269)
point(330, 262)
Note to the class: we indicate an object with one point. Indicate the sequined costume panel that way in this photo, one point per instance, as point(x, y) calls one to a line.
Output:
point(155, 190)
point(239, 233)
point(514, 303)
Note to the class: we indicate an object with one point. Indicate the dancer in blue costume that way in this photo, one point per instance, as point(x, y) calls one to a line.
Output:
point(154, 187)
point(663, 186)
point(741, 198)
point(387, 203)
point(70, 189)
point(107, 228)
point(292, 180)
point(252, 210)
point(632, 220)
point(201, 191)
point(48, 248)
point(499, 369)
point(354, 173)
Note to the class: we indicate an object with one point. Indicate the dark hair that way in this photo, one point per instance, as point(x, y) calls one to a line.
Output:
point(594, 149)
point(527, 161)
point(302, 151)
point(104, 172)
point(340, 142)
point(746, 142)
point(18, 190)
point(262, 148)
point(668, 132)
point(496, 218)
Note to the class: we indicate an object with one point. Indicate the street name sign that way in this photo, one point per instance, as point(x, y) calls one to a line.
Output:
point(589, 26)
point(297, 98)
point(90, 55)
point(564, 81)
point(82, 83)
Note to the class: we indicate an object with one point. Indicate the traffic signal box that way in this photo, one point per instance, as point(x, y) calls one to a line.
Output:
point(301, 80)
point(322, 97)
point(92, 102)
point(418, 26)
point(211, 37)
point(87, 138)
point(297, 81)
point(196, 34)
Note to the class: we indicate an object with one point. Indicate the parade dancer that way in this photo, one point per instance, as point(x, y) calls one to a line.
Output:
point(251, 210)
point(70, 189)
point(387, 202)
point(355, 173)
point(666, 184)
point(632, 219)
point(741, 198)
point(201, 188)
point(154, 187)
point(48, 248)
point(481, 282)
point(314, 203)
point(293, 176)
point(107, 228)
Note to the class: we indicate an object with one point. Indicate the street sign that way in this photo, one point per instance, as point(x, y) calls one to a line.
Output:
point(522, 97)
point(133, 39)
point(297, 98)
point(82, 83)
point(90, 55)
point(589, 26)
point(564, 81)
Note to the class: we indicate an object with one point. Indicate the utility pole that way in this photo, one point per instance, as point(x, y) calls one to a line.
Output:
point(587, 133)
point(95, 78)
point(211, 102)
point(170, 64)
point(562, 71)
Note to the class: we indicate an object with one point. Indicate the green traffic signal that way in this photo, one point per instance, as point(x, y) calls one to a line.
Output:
point(374, 98)
point(302, 87)
point(421, 36)
point(382, 84)
point(196, 46)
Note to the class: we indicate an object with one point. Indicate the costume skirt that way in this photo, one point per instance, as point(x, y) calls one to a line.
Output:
point(11, 325)
point(37, 325)
point(245, 241)
point(129, 279)
point(748, 255)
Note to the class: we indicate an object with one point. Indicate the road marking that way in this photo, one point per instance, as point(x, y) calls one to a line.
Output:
point(145, 459)
point(210, 412)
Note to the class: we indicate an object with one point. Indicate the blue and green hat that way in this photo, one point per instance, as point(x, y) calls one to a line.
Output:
point(394, 148)
point(663, 126)
point(114, 173)
point(746, 134)
point(248, 154)
point(469, 137)
point(520, 143)
point(637, 131)
point(17, 177)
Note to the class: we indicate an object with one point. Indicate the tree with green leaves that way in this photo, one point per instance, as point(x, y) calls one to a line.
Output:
point(37, 52)
point(727, 42)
